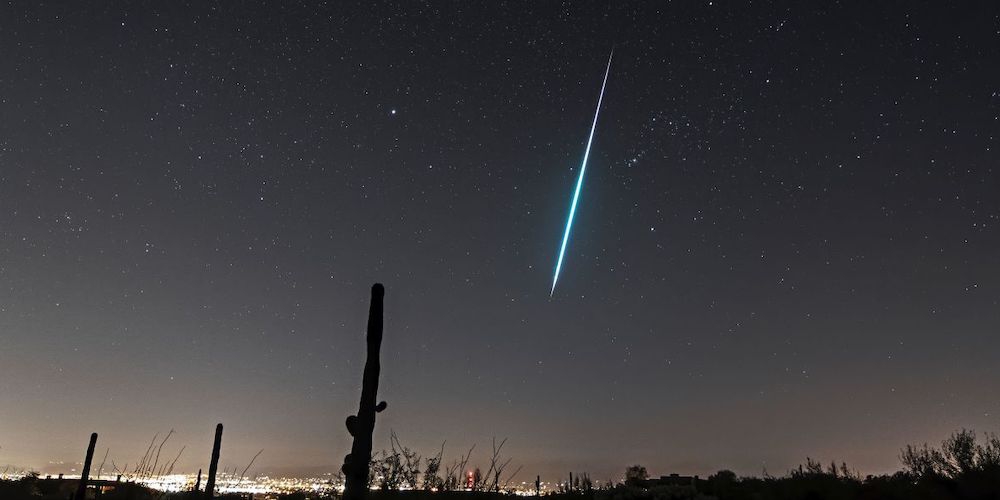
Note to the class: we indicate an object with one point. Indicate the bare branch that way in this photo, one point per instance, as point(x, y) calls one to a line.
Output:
point(511, 477)
point(171, 469)
point(101, 468)
point(142, 463)
point(159, 449)
point(248, 466)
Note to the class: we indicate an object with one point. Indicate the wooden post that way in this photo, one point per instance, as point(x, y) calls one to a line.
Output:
point(81, 490)
point(213, 467)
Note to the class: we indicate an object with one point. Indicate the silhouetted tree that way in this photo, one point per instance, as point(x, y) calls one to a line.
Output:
point(988, 455)
point(433, 481)
point(722, 483)
point(408, 462)
point(634, 474)
point(387, 470)
point(959, 453)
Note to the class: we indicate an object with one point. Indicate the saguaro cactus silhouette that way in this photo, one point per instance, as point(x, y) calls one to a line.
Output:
point(214, 465)
point(81, 490)
point(362, 425)
point(197, 484)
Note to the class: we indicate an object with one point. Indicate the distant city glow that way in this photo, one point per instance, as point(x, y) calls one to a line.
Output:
point(262, 484)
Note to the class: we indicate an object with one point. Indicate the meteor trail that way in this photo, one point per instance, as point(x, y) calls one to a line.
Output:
point(579, 180)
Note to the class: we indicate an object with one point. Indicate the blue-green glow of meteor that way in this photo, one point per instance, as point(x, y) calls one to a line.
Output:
point(579, 180)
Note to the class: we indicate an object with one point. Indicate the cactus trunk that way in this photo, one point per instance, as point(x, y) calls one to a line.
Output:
point(362, 425)
point(81, 490)
point(213, 467)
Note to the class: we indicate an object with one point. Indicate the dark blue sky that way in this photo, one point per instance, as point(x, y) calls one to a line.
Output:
point(786, 243)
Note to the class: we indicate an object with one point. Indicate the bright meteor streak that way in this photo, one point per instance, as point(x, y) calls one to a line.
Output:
point(579, 180)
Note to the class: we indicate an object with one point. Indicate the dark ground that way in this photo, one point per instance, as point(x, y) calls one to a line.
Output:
point(721, 486)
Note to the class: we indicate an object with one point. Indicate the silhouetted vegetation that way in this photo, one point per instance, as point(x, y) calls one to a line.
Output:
point(962, 468)
point(213, 466)
point(634, 474)
point(399, 469)
point(361, 426)
point(81, 488)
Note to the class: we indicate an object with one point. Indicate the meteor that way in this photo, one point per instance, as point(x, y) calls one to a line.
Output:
point(579, 180)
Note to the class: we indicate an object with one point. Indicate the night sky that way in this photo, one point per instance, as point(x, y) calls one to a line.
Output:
point(786, 243)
